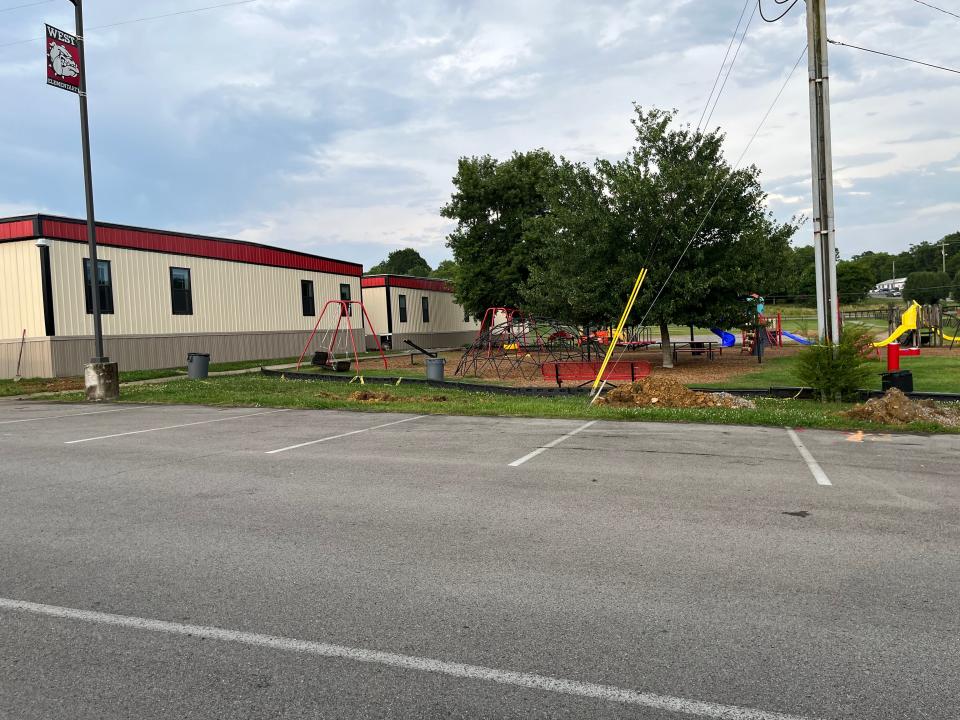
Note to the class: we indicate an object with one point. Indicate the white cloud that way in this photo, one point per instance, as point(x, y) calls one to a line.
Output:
point(338, 126)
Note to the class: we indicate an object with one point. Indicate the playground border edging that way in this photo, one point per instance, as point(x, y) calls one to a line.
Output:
point(777, 393)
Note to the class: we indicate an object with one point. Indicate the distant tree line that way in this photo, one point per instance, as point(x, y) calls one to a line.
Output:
point(795, 281)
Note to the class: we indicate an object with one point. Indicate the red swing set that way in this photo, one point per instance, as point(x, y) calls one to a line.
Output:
point(344, 312)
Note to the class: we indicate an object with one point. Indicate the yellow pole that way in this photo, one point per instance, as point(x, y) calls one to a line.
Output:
point(623, 321)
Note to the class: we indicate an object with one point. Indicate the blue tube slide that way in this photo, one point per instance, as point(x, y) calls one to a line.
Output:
point(729, 339)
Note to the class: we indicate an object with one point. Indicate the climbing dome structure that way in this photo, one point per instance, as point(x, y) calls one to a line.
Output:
point(512, 345)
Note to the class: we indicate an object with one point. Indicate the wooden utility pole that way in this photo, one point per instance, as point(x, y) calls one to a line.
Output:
point(824, 234)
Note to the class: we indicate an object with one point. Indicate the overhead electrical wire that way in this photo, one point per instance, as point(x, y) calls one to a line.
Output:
point(713, 204)
point(897, 57)
point(723, 63)
point(26, 5)
point(733, 171)
point(934, 7)
point(782, 15)
point(144, 19)
point(730, 67)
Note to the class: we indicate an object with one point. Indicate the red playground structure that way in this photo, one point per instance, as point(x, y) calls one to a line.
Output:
point(344, 311)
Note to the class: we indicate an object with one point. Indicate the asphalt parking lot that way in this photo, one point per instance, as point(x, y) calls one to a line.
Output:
point(190, 562)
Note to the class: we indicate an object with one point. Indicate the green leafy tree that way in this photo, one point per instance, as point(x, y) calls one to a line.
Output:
point(956, 285)
point(854, 281)
point(492, 203)
point(402, 262)
point(673, 199)
point(927, 288)
point(446, 270)
point(880, 264)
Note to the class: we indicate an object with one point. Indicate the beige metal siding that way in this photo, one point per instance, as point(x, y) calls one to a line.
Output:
point(375, 303)
point(32, 356)
point(446, 315)
point(21, 291)
point(228, 297)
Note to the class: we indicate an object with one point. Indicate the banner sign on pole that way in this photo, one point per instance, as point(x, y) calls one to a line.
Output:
point(63, 60)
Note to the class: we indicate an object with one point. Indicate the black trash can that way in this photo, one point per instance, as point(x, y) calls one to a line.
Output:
point(902, 380)
point(198, 365)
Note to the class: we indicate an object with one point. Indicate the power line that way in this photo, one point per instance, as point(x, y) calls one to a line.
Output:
point(898, 57)
point(144, 19)
point(732, 63)
point(947, 12)
point(726, 182)
point(723, 187)
point(782, 15)
point(724, 62)
point(20, 7)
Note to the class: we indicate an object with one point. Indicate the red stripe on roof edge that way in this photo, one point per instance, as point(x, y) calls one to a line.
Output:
point(405, 281)
point(16, 229)
point(134, 238)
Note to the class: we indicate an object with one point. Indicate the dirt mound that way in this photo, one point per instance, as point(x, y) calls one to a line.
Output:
point(895, 408)
point(660, 391)
point(368, 396)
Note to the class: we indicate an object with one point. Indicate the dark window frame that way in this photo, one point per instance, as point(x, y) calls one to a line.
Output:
point(184, 293)
point(348, 310)
point(308, 300)
point(402, 305)
point(425, 309)
point(105, 290)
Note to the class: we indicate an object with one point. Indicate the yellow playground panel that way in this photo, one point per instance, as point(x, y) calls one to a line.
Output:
point(907, 323)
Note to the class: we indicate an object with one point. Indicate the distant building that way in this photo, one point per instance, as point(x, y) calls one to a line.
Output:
point(163, 294)
point(421, 310)
point(890, 287)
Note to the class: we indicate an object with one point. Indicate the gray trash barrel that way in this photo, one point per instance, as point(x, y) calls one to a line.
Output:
point(198, 365)
point(435, 368)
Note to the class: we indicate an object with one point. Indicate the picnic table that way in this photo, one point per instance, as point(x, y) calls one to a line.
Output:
point(697, 347)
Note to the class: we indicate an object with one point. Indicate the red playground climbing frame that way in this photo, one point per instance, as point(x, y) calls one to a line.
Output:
point(343, 311)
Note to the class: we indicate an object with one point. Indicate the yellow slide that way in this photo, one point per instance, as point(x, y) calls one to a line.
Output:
point(907, 322)
point(949, 338)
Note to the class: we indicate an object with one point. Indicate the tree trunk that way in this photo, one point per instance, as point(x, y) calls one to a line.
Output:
point(665, 345)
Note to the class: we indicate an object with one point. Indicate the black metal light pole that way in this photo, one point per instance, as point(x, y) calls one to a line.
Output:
point(88, 188)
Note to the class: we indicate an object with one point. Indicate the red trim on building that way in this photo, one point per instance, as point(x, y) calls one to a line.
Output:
point(16, 229)
point(197, 246)
point(135, 238)
point(405, 281)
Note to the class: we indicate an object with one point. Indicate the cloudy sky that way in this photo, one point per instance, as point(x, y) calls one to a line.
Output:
point(335, 127)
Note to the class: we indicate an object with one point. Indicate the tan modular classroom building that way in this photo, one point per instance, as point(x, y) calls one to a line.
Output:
point(163, 294)
point(421, 310)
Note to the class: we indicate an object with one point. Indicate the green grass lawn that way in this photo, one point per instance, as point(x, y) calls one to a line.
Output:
point(930, 374)
point(261, 391)
point(28, 386)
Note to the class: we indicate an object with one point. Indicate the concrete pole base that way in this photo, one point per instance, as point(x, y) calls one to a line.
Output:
point(102, 381)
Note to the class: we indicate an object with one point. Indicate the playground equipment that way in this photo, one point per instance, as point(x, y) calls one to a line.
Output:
point(327, 357)
point(908, 323)
point(727, 339)
point(795, 338)
point(519, 345)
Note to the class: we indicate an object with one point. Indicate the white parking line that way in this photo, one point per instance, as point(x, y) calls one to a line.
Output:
point(819, 475)
point(552, 443)
point(341, 435)
point(531, 681)
point(56, 417)
point(172, 427)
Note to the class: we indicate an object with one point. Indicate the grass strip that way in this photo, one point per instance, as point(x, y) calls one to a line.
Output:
point(262, 391)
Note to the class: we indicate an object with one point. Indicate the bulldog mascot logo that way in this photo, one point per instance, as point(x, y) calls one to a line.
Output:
point(63, 60)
